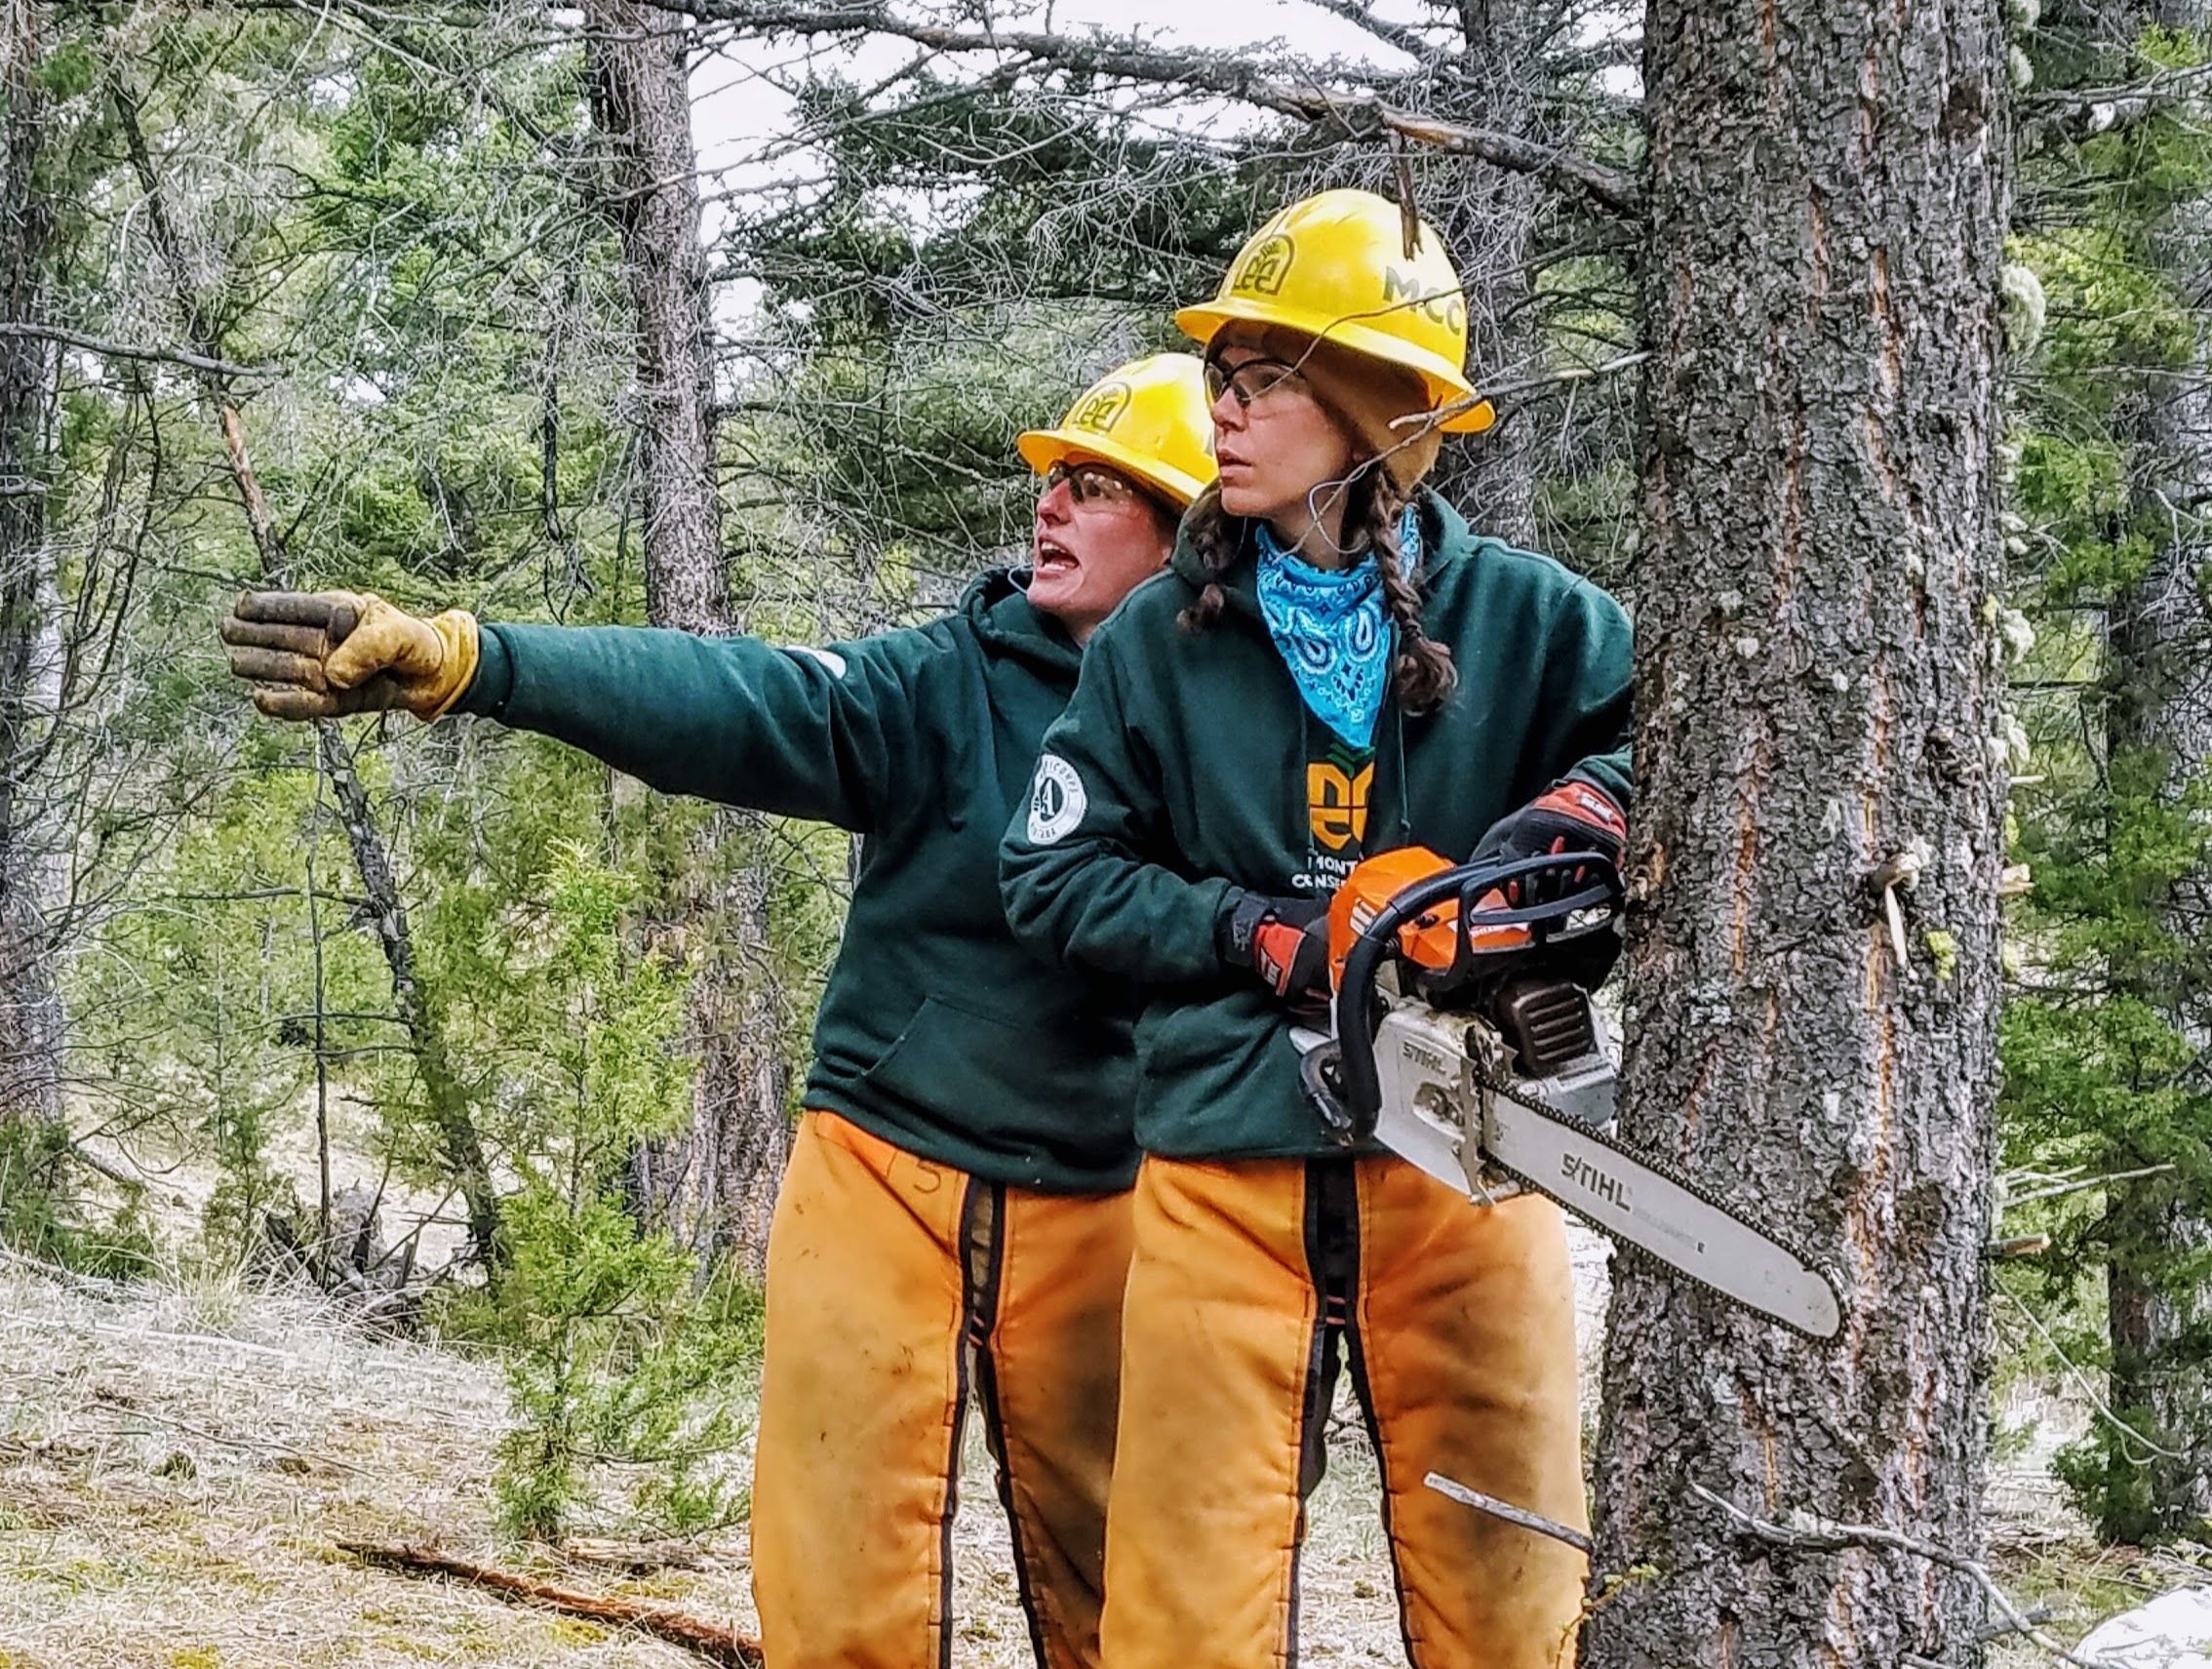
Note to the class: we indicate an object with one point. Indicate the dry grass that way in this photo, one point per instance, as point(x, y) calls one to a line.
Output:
point(175, 1466)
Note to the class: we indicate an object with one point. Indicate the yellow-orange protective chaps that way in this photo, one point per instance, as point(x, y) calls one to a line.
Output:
point(1457, 1323)
point(896, 1289)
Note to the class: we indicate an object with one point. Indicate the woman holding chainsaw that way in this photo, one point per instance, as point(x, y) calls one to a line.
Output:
point(1336, 666)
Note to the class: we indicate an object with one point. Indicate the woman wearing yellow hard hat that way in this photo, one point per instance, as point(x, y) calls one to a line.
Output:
point(1339, 667)
point(955, 1217)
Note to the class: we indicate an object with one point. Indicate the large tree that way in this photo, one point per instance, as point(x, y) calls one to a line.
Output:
point(1817, 715)
point(31, 1031)
point(2159, 1227)
point(2107, 1030)
point(716, 1180)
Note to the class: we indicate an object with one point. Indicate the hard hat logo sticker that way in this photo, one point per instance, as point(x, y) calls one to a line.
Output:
point(1101, 409)
point(1266, 267)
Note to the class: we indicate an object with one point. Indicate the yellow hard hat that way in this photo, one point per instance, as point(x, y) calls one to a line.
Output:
point(1149, 419)
point(1335, 265)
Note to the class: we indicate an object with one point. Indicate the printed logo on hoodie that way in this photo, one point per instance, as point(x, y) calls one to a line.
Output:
point(1057, 800)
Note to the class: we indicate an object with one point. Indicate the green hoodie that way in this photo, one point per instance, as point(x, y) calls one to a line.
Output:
point(1187, 767)
point(938, 1032)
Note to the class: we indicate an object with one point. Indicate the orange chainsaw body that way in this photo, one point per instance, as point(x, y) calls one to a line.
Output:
point(1430, 940)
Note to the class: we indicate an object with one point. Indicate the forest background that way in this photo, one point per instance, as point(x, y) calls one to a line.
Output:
point(723, 317)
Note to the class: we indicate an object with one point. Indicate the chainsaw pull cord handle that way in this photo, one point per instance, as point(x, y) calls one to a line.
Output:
point(1349, 1110)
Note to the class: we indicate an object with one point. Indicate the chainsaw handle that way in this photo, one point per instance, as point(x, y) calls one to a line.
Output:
point(1357, 1083)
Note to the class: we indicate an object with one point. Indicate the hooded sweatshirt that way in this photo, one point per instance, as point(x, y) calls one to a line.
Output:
point(1187, 767)
point(937, 1031)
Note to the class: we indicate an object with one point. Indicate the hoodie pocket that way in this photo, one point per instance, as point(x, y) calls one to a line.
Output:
point(986, 1075)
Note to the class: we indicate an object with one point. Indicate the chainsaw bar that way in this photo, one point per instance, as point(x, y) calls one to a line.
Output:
point(1815, 1293)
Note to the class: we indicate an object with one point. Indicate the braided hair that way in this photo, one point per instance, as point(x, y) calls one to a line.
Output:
point(1422, 674)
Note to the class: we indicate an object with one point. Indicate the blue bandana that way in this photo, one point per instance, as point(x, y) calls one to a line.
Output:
point(1331, 627)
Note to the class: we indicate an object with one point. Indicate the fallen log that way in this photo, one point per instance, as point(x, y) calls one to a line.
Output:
point(710, 1641)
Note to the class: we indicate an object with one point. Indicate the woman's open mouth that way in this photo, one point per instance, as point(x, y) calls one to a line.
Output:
point(1054, 558)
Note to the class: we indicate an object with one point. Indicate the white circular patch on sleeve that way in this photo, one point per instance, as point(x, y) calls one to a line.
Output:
point(1057, 800)
point(829, 658)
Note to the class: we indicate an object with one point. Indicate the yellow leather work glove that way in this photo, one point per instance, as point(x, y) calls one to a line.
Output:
point(319, 655)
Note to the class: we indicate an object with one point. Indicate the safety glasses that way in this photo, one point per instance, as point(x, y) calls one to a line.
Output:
point(1251, 379)
point(1091, 483)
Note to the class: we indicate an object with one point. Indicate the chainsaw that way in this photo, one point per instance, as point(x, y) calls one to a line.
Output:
point(1464, 1042)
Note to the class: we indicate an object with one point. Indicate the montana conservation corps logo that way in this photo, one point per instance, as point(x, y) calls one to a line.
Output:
point(1057, 800)
point(1263, 271)
point(1101, 409)
point(1337, 799)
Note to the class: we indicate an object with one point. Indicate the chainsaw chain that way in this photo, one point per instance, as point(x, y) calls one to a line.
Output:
point(1521, 1098)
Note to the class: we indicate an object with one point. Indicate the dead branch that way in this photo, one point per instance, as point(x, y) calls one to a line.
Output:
point(131, 351)
point(1507, 1511)
point(1811, 1533)
point(251, 1446)
point(1357, 114)
point(695, 1635)
point(2076, 1186)
point(2129, 1437)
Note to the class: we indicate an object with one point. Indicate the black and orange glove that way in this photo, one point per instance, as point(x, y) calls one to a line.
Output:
point(1570, 817)
point(1285, 941)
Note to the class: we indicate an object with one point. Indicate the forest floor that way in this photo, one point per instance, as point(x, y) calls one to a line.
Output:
point(177, 1466)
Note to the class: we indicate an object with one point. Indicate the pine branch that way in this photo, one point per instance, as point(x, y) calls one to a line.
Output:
point(1402, 36)
point(1358, 114)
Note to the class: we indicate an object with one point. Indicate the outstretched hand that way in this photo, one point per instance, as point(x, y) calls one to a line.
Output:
point(321, 654)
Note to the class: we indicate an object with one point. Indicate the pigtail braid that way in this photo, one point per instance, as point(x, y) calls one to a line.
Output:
point(1422, 673)
point(1216, 538)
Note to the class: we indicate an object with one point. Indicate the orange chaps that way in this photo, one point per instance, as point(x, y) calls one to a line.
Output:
point(1457, 1323)
point(897, 1287)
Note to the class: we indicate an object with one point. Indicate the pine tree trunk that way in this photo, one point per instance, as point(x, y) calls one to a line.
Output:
point(1816, 692)
point(2160, 1228)
point(30, 1028)
point(716, 1181)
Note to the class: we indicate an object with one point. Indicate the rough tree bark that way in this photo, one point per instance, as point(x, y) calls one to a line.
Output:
point(460, 1145)
point(715, 1183)
point(1817, 693)
point(2160, 677)
point(30, 1017)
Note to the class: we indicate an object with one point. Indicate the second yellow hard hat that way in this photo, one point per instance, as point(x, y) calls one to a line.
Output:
point(1148, 418)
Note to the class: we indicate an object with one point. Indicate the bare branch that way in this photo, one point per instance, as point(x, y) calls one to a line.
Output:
point(1507, 1511)
point(1402, 36)
point(130, 350)
point(2076, 1186)
point(703, 1639)
point(1812, 1533)
point(1358, 114)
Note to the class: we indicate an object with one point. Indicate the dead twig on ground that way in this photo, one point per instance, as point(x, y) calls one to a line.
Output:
point(251, 1446)
point(695, 1635)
